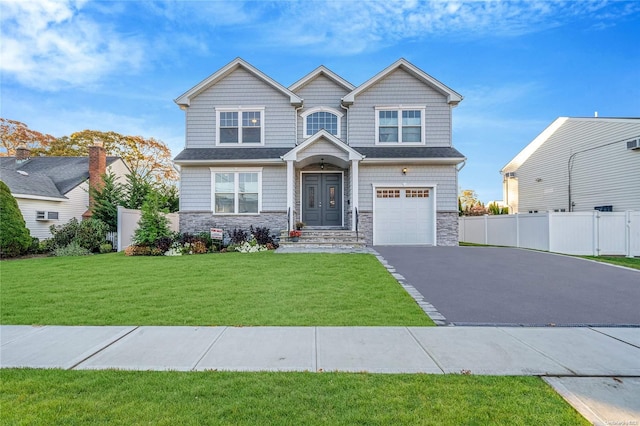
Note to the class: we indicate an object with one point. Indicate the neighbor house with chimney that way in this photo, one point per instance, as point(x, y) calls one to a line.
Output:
point(53, 190)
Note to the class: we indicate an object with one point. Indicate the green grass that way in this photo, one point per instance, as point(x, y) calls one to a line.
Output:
point(213, 289)
point(44, 397)
point(629, 262)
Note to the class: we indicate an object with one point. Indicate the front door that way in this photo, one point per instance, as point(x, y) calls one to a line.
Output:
point(322, 199)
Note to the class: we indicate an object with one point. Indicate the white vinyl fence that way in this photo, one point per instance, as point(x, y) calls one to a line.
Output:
point(128, 223)
point(581, 233)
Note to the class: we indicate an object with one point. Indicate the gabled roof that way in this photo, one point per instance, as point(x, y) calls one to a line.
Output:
point(523, 155)
point(548, 133)
point(453, 97)
point(321, 70)
point(323, 135)
point(184, 100)
point(51, 177)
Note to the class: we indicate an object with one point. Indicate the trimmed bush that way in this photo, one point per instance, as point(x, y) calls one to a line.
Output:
point(89, 234)
point(72, 249)
point(15, 238)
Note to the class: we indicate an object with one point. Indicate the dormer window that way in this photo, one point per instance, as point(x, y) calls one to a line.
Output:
point(400, 125)
point(238, 126)
point(318, 118)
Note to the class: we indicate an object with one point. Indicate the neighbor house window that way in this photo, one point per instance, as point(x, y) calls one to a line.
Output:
point(399, 125)
point(318, 118)
point(236, 191)
point(240, 126)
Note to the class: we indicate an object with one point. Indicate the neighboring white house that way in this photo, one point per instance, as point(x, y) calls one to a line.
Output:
point(53, 190)
point(577, 164)
point(378, 156)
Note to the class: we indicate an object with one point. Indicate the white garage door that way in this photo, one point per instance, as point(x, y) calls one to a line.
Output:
point(403, 216)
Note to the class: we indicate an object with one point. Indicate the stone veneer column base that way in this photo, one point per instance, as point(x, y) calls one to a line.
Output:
point(447, 228)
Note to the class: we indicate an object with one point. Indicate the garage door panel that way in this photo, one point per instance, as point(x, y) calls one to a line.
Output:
point(403, 216)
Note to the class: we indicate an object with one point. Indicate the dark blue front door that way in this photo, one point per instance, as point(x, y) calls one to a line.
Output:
point(322, 199)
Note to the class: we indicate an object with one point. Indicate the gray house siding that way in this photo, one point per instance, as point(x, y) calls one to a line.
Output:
point(603, 175)
point(400, 88)
point(321, 91)
point(445, 177)
point(240, 88)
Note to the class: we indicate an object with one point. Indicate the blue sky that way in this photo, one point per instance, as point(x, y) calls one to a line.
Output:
point(117, 65)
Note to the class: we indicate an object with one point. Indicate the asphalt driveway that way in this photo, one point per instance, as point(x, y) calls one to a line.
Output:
point(499, 286)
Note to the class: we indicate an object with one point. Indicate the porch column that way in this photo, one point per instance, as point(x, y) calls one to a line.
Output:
point(290, 191)
point(354, 192)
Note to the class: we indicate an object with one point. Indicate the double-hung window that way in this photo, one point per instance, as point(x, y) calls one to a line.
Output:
point(237, 126)
point(236, 191)
point(318, 118)
point(400, 125)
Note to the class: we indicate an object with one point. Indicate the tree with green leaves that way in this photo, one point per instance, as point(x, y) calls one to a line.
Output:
point(153, 224)
point(15, 238)
point(106, 199)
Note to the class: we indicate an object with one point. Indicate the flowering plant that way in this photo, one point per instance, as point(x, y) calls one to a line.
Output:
point(295, 233)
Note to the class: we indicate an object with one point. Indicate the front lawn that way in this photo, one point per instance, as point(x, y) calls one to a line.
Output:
point(46, 397)
point(214, 289)
point(629, 262)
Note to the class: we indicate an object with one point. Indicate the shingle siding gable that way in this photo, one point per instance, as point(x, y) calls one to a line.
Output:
point(240, 88)
point(321, 91)
point(400, 88)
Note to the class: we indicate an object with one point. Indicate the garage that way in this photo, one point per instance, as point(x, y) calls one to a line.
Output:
point(404, 216)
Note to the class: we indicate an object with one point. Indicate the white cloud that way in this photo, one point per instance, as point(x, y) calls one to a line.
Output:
point(349, 27)
point(51, 45)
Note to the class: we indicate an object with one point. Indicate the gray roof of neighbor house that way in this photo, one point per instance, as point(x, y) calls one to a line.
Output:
point(222, 154)
point(45, 176)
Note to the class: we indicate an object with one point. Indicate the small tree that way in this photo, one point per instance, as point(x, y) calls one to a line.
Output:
point(106, 200)
point(153, 224)
point(137, 189)
point(15, 238)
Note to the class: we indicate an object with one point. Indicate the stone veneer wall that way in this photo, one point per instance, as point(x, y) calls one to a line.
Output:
point(447, 228)
point(200, 221)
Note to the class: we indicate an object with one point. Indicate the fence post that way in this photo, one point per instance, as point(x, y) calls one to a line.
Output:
point(627, 233)
point(119, 231)
point(517, 230)
point(596, 233)
point(486, 229)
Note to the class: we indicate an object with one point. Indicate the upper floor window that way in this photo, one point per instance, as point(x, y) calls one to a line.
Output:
point(240, 126)
point(400, 125)
point(319, 118)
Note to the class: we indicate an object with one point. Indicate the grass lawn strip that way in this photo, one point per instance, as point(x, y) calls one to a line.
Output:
point(628, 262)
point(43, 397)
point(234, 289)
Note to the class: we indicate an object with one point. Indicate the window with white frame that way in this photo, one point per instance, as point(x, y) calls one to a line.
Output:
point(400, 125)
point(319, 118)
point(237, 191)
point(240, 126)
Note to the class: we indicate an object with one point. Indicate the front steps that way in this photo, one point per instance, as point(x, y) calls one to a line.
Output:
point(322, 238)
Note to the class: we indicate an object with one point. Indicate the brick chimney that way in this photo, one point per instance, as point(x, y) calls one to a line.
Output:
point(97, 168)
point(22, 153)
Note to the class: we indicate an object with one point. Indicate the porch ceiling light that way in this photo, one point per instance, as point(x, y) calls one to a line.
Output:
point(404, 170)
point(322, 164)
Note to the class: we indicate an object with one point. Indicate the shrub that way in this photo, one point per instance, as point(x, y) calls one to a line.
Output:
point(137, 250)
point(89, 234)
point(15, 238)
point(238, 236)
point(72, 249)
point(262, 235)
point(106, 248)
point(153, 224)
point(164, 243)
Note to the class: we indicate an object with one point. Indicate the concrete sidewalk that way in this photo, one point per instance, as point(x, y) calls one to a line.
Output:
point(563, 353)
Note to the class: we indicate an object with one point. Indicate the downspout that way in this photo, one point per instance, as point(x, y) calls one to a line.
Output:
point(346, 120)
point(296, 122)
point(464, 163)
